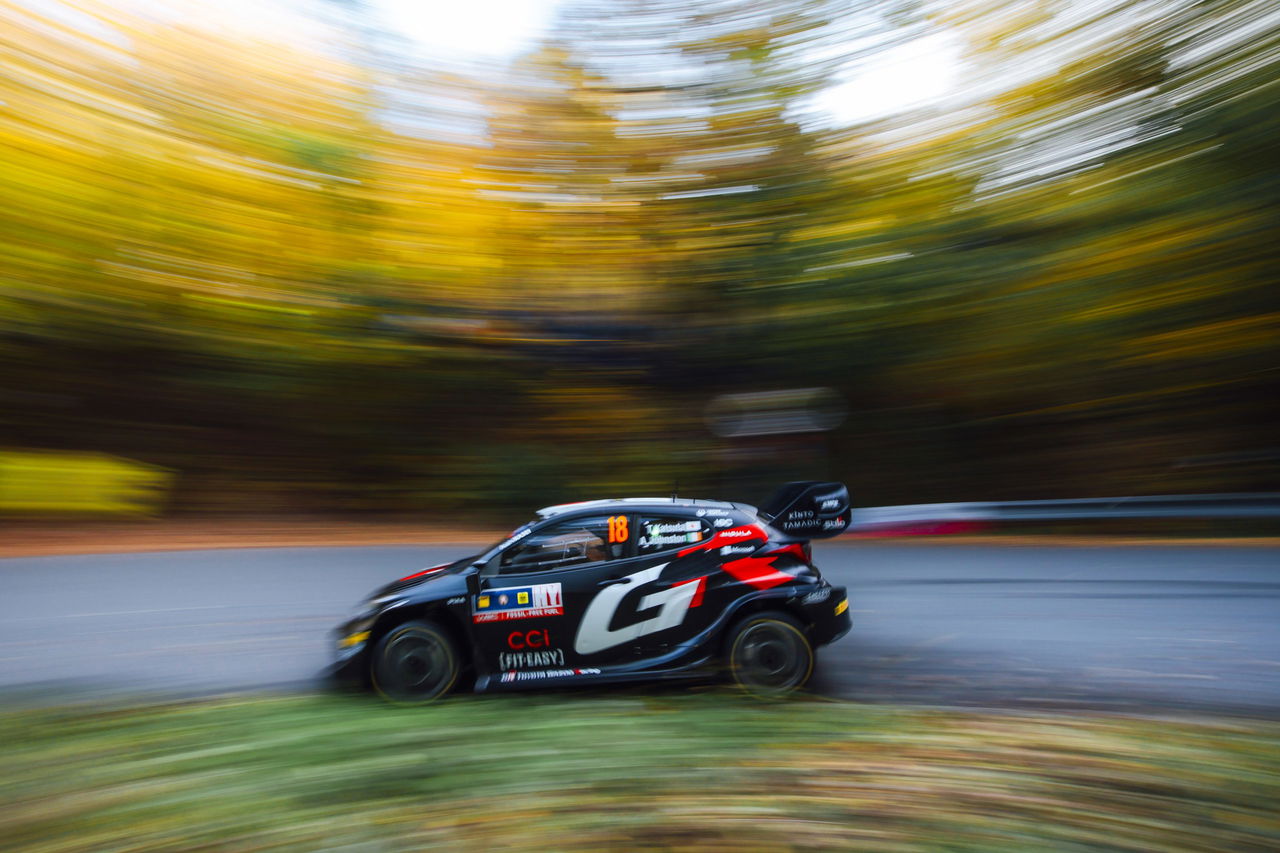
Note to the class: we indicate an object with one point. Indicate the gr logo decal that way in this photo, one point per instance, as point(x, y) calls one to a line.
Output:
point(594, 634)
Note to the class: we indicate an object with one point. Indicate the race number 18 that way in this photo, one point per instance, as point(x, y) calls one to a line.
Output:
point(617, 528)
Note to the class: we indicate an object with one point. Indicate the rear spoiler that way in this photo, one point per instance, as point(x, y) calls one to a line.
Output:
point(809, 510)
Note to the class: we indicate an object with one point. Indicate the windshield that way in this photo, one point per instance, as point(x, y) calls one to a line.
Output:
point(512, 537)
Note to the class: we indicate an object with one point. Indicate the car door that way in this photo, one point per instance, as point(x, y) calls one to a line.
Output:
point(651, 600)
point(535, 592)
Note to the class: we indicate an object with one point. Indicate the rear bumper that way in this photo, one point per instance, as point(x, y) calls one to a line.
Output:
point(827, 611)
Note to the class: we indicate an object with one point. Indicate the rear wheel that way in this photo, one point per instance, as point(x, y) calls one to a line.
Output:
point(769, 655)
point(414, 663)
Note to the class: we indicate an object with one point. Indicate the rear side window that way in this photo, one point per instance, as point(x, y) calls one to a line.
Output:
point(663, 533)
point(575, 542)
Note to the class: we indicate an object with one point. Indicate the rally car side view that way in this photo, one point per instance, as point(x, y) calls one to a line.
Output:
point(614, 591)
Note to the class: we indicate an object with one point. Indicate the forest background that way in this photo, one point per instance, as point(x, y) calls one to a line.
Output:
point(317, 272)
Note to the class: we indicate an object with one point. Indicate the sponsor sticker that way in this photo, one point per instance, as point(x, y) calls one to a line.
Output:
point(736, 549)
point(540, 657)
point(723, 522)
point(817, 596)
point(537, 674)
point(518, 602)
point(456, 600)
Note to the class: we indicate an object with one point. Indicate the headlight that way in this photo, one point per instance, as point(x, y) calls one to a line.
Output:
point(354, 632)
point(354, 639)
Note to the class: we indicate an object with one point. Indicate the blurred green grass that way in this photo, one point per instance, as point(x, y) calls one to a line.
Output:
point(586, 772)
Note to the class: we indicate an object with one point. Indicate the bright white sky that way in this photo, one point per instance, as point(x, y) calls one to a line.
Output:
point(911, 75)
point(470, 29)
point(905, 77)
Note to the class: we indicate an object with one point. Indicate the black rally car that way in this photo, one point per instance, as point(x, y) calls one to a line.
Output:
point(613, 591)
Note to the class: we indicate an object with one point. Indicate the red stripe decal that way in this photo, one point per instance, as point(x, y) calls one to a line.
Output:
point(697, 593)
point(697, 596)
point(793, 549)
point(429, 571)
point(757, 572)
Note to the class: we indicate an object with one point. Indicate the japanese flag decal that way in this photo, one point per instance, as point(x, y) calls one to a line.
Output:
point(593, 632)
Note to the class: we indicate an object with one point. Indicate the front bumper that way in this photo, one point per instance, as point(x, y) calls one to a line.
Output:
point(349, 648)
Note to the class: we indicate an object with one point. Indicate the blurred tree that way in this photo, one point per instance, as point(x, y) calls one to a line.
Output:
point(326, 274)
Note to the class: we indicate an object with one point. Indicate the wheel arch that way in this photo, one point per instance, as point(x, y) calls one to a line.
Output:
point(756, 604)
point(432, 611)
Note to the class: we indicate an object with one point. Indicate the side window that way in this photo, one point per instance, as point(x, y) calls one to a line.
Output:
point(575, 542)
point(663, 533)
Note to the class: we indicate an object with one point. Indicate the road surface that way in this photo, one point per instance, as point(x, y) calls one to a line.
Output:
point(1119, 628)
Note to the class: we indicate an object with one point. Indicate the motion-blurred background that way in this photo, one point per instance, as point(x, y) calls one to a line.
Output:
point(386, 255)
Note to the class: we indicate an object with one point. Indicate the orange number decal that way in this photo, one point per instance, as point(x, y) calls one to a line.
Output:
point(617, 528)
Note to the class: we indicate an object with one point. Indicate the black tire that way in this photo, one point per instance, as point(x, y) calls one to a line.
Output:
point(414, 663)
point(769, 654)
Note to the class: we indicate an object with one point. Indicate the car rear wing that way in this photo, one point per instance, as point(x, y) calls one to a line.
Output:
point(809, 510)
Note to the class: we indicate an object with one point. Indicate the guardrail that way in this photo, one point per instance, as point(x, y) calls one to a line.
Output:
point(1262, 505)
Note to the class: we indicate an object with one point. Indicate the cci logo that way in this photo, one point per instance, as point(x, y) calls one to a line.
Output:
point(535, 639)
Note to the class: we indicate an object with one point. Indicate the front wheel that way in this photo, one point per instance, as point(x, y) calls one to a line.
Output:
point(769, 655)
point(414, 663)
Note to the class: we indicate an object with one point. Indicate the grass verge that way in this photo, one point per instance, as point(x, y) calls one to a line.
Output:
point(586, 772)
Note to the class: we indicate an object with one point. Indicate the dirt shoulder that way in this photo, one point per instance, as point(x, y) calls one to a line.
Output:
point(33, 539)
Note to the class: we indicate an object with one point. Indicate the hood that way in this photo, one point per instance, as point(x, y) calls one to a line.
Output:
point(422, 577)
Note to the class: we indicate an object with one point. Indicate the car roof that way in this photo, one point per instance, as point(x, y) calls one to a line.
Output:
point(642, 503)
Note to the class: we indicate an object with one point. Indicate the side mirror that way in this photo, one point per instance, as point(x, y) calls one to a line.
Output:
point(473, 582)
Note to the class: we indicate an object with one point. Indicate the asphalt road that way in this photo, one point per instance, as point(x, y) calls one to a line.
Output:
point(1120, 628)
